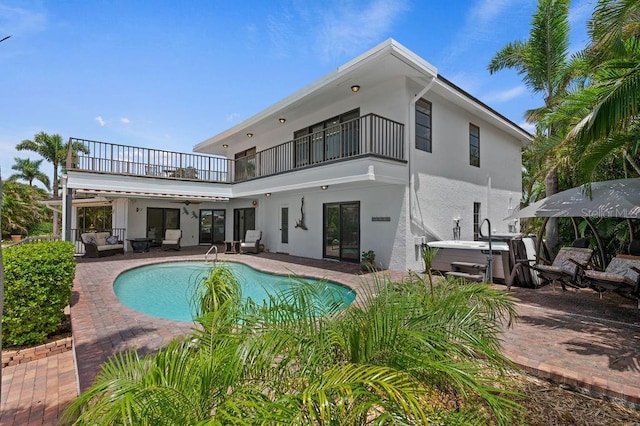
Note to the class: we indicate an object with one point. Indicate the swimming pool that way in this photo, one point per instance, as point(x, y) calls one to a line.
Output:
point(165, 290)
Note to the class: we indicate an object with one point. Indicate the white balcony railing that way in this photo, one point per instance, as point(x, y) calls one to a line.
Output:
point(369, 135)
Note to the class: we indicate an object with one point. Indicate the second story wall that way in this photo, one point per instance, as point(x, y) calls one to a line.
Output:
point(500, 153)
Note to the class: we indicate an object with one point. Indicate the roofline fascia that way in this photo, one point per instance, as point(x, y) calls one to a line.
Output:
point(389, 46)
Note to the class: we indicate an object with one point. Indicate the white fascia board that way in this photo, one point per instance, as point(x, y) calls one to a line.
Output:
point(388, 47)
point(123, 183)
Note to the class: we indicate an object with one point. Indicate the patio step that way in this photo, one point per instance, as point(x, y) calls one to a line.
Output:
point(462, 266)
point(469, 277)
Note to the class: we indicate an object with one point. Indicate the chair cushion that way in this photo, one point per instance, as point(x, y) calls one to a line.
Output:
point(101, 238)
point(172, 235)
point(252, 236)
point(88, 237)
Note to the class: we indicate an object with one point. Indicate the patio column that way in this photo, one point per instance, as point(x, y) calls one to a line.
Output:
point(67, 198)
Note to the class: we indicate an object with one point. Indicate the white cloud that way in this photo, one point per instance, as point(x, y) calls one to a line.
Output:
point(232, 117)
point(505, 95)
point(19, 21)
point(125, 120)
point(479, 25)
point(100, 121)
point(348, 28)
point(339, 28)
point(580, 11)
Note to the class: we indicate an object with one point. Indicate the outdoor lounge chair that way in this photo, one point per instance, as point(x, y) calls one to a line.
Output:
point(251, 241)
point(622, 276)
point(566, 268)
point(171, 239)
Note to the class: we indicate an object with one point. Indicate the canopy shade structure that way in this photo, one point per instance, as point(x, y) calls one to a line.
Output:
point(611, 198)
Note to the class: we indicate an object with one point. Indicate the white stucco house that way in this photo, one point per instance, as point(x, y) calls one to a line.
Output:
point(381, 154)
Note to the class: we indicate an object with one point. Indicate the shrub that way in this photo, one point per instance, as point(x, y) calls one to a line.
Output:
point(37, 286)
point(42, 228)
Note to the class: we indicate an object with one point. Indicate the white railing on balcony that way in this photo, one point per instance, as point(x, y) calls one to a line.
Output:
point(366, 135)
point(111, 158)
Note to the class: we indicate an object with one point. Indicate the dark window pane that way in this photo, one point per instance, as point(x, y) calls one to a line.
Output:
point(423, 125)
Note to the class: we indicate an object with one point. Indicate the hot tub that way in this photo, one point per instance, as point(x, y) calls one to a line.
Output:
point(472, 252)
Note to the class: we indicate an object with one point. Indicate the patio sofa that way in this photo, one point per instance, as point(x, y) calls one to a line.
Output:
point(100, 244)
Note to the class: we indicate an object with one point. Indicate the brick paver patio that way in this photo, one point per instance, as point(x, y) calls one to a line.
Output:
point(571, 337)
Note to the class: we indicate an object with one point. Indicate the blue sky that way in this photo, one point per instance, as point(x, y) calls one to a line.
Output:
point(170, 74)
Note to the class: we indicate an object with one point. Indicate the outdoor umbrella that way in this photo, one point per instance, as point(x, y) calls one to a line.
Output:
point(612, 198)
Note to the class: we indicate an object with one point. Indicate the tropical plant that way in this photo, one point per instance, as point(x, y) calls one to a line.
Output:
point(428, 255)
point(21, 207)
point(615, 53)
point(391, 359)
point(604, 114)
point(544, 63)
point(368, 260)
point(29, 170)
point(52, 149)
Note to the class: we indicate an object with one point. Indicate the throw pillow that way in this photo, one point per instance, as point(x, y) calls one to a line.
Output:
point(112, 239)
point(91, 239)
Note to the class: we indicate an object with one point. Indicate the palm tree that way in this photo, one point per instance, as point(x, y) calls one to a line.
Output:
point(29, 170)
point(51, 148)
point(610, 105)
point(54, 150)
point(543, 61)
point(403, 357)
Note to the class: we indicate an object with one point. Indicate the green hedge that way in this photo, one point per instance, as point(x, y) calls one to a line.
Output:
point(37, 286)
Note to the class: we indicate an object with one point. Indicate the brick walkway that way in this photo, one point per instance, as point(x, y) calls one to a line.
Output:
point(36, 392)
point(571, 337)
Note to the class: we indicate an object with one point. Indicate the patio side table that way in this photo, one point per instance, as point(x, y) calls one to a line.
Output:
point(140, 245)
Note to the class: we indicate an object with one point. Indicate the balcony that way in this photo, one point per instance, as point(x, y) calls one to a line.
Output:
point(369, 135)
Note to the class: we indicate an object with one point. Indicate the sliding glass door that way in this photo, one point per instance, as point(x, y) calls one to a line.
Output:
point(212, 226)
point(159, 220)
point(243, 220)
point(341, 230)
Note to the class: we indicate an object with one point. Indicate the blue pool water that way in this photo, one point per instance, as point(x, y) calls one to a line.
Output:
point(166, 290)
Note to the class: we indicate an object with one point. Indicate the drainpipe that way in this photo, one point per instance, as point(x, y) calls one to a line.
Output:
point(411, 145)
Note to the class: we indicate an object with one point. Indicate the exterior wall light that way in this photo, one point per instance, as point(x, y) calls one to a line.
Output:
point(249, 135)
point(225, 145)
point(324, 187)
point(282, 120)
point(268, 194)
point(355, 88)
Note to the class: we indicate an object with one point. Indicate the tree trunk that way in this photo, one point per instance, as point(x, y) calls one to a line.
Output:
point(1, 288)
point(551, 187)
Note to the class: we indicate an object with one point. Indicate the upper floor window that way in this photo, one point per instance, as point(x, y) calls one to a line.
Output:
point(476, 221)
point(474, 145)
point(423, 125)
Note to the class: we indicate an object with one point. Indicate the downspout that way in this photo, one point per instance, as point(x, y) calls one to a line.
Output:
point(410, 146)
